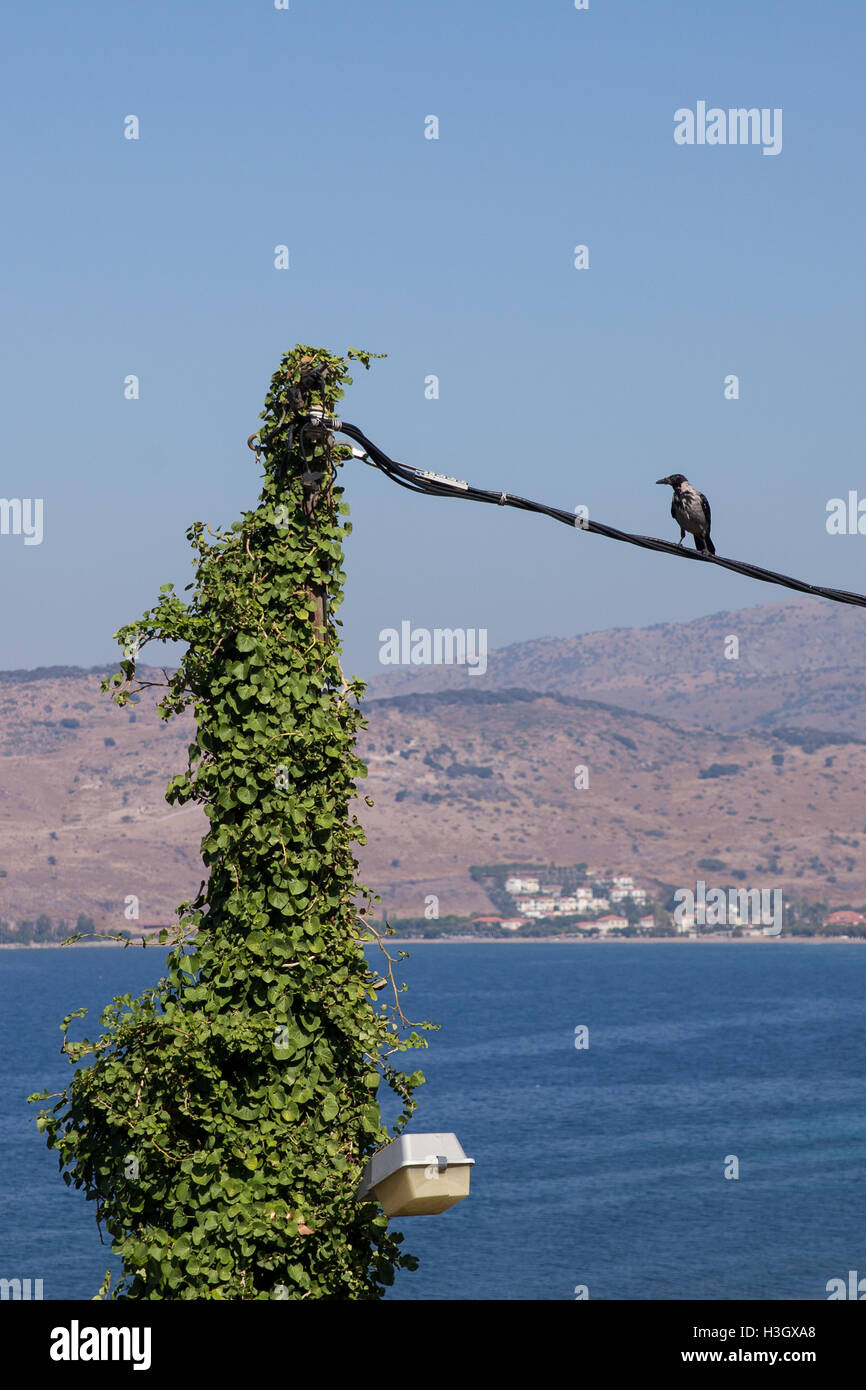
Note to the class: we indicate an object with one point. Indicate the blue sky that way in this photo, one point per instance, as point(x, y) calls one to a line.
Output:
point(454, 256)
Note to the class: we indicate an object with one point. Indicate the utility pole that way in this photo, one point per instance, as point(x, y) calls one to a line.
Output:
point(315, 434)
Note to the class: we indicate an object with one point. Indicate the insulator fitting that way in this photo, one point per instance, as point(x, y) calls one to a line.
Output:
point(319, 418)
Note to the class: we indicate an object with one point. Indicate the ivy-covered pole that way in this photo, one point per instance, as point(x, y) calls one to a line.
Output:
point(225, 1118)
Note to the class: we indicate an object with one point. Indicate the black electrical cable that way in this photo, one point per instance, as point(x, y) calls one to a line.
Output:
point(415, 480)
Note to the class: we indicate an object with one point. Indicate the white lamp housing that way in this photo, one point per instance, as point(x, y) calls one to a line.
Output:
point(417, 1175)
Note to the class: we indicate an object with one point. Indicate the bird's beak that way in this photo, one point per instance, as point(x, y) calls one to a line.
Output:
point(662, 480)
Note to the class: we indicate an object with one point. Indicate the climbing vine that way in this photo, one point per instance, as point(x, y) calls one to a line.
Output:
point(224, 1117)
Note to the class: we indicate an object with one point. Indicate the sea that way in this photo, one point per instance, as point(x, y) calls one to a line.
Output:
point(649, 1120)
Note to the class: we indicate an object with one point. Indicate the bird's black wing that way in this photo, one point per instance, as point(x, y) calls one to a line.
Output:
point(706, 506)
point(674, 508)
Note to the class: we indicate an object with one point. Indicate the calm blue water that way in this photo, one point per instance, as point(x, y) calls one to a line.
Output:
point(601, 1167)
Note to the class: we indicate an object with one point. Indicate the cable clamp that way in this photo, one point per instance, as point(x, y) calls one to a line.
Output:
point(502, 499)
point(317, 415)
point(442, 478)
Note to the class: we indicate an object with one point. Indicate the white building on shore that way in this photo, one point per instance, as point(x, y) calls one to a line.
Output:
point(612, 923)
point(516, 886)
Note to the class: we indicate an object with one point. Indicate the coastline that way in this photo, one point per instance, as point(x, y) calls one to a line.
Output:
point(623, 941)
point(497, 941)
point(58, 945)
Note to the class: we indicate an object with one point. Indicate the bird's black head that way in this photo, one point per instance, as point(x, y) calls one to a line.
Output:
point(675, 479)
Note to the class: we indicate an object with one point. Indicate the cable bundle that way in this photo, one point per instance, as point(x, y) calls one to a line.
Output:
point(438, 485)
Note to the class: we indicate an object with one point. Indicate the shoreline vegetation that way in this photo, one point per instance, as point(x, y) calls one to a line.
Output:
point(538, 902)
point(468, 940)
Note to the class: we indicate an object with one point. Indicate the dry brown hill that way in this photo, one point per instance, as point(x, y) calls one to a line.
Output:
point(801, 662)
point(458, 778)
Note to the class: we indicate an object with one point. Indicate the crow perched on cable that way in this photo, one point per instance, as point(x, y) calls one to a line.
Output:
point(691, 511)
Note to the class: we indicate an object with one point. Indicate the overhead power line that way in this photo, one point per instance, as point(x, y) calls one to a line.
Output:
point(439, 485)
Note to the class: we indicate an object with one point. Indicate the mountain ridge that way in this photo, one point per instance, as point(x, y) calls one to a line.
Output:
point(686, 761)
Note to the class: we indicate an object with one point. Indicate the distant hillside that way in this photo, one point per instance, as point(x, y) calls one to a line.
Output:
point(460, 778)
point(457, 778)
point(800, 663)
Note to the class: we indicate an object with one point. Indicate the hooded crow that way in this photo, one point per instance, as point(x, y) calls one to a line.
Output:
point(691, 511)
